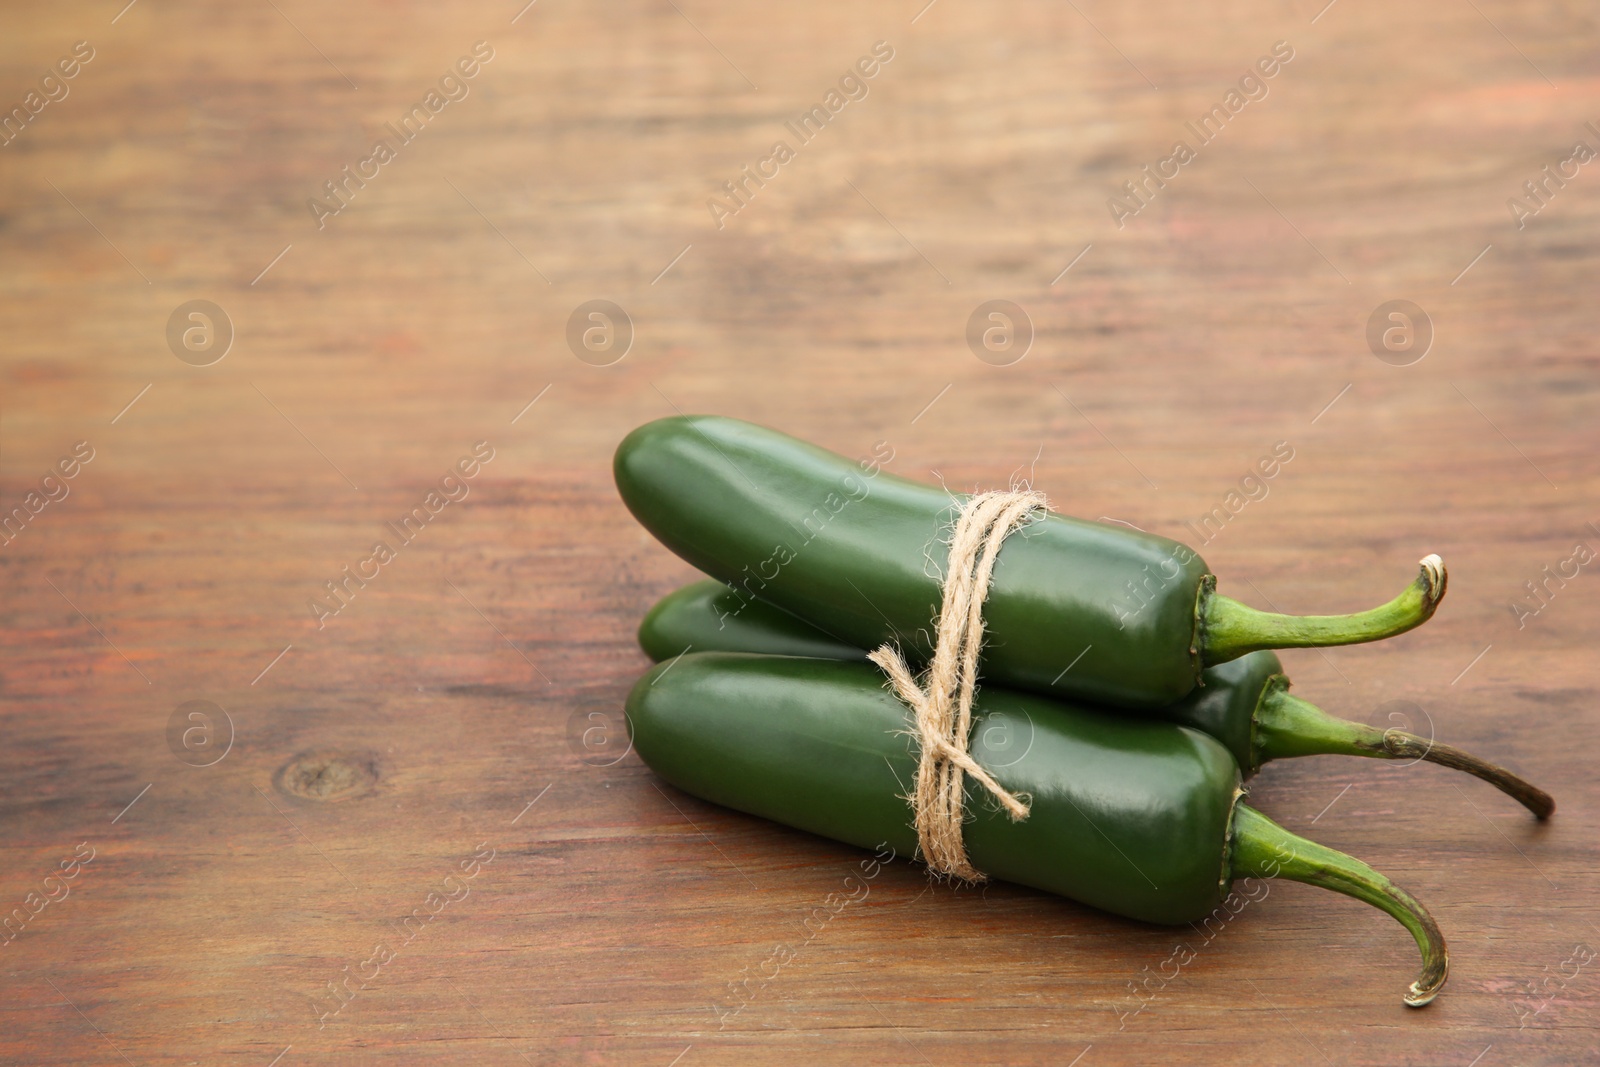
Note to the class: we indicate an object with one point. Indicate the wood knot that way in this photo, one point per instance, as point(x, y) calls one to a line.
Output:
point(328, 775)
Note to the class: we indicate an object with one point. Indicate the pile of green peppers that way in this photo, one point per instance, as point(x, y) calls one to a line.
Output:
point(1125, 696)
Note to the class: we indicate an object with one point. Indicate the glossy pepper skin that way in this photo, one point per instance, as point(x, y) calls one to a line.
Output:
point(845, 549)
point(1135, 816)
point(820, 745)
point(1243, 703)
point(856, 551)
point(709, 616)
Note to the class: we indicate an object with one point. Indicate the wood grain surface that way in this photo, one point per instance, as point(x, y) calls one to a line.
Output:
point(444, 747)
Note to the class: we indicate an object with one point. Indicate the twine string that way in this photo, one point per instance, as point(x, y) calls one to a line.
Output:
point(941, 700)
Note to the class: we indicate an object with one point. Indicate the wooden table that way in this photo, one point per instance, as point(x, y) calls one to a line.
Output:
point(346, 768)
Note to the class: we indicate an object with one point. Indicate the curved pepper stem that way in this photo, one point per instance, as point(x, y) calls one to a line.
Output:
point(1229, 629)
point(1285, 725)
point(1398, 744)
point(1264, 849)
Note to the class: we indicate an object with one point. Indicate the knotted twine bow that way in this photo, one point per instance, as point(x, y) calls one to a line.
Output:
point(943, 702)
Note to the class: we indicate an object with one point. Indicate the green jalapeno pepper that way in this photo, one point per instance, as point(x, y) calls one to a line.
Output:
point(856, 550)
point(1244, 703)
point(1131, 815)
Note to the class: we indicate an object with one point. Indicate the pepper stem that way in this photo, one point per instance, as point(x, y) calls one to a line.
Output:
point(1285, 725)
point(1264, 849)
point(1229, 629)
